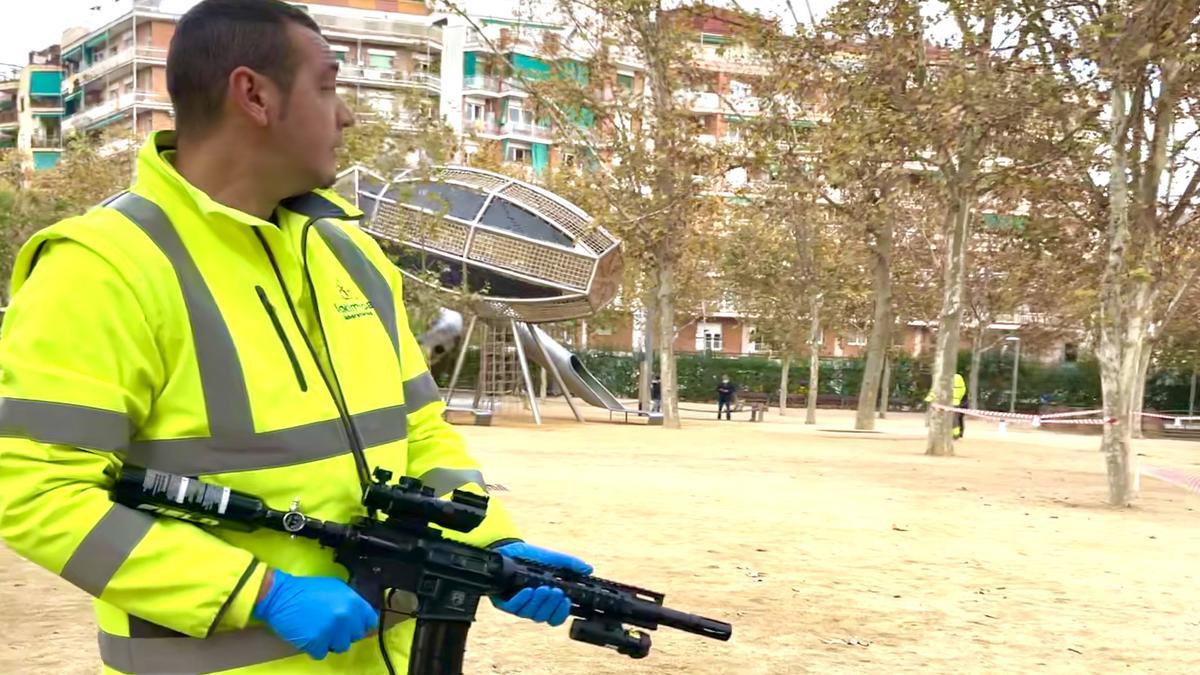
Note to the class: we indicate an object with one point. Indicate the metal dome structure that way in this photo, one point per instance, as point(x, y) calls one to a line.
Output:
point(522, 254)
point(529, 254)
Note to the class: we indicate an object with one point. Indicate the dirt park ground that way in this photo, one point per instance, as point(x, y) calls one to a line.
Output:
point(829, 552)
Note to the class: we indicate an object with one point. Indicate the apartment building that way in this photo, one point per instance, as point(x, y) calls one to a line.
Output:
point(10, 87)
point(115, 74)
point(391, 56)
point(496, 110)
point(726, 70)
point(31, 111)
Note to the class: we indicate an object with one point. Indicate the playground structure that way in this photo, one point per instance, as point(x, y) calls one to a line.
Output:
point(518, 255)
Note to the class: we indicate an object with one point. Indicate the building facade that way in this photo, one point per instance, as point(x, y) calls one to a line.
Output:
point(31, 111)
point(114, 76)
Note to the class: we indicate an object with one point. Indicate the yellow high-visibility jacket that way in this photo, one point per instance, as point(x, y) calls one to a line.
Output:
point(959, 394)
point(166, 330)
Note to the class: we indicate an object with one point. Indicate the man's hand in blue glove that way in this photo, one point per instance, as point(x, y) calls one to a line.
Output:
point(542, 604)
point(316, 614)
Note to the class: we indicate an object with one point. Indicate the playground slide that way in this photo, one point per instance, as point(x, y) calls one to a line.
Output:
point(541, 349)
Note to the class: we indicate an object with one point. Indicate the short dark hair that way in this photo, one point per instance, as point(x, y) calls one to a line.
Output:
point(218, 36)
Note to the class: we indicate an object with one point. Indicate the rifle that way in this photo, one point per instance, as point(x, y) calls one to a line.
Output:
point(404, 553)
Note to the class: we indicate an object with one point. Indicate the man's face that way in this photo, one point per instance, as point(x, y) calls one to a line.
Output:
point(308, 130)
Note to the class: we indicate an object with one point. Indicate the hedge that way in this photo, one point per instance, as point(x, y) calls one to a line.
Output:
point(1074, 384)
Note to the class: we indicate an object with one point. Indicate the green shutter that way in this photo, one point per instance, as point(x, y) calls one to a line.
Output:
point(44, 160)
point(541, 157)
point(626, 82)
point(470, 64)
point(530, 67)
point(46, 83)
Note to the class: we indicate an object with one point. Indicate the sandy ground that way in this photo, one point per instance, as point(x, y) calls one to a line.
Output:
point(829, 552)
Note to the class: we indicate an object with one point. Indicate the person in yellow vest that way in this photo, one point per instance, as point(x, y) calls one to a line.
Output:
point(958, 398)
point(226, 318)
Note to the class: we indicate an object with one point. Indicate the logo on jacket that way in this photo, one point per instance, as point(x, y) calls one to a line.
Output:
point(353, 305)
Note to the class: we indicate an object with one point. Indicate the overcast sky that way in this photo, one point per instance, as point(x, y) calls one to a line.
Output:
point(29, 26)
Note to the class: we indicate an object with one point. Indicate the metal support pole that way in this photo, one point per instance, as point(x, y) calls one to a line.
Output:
point(462, 357)
point(529, 390)
point(1192, 395)
point(1012, 399)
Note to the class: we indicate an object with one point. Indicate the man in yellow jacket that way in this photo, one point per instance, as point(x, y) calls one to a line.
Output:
point(958, 398)
point(225, 318)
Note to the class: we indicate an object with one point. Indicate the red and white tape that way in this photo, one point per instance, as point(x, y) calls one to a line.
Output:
point(1187, 481)
point(1176, 421)
point(1034, 420)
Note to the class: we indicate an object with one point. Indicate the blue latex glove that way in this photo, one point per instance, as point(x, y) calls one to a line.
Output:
point(316, 614)
point(542, 604)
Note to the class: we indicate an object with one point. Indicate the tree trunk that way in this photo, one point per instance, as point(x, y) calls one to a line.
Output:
point(814, 360)
point(1116, 371)
point(1139, 396)
point(665, 311)
point(885, 389)
point(877, 343)
point(783, 383)
point(976, 362)
point(945, 360)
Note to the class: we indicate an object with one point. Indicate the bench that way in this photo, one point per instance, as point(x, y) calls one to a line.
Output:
point(758, 404)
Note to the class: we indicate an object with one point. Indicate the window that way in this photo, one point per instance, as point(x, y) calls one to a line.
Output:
point(757, 343)
point(381, 59)
point(340, 52)
point(739, 90)
point(568, 159)
point(1070, 352)
point(474, 112)
point(520, 116)
point(518, 154)
point(857, 339)
point(708, 337)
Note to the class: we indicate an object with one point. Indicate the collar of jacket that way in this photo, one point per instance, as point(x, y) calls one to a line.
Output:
point(159, 181)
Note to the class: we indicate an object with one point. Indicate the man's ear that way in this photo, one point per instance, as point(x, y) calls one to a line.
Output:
point(251, 94)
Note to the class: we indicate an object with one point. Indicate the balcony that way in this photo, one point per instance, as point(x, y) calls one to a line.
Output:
point(45, 140)
point(386, 29)
point(528, 130)
point(481, 83)
point(123, 58)
point(707, 102)
point(382, 77)
point(121, 103)
point(487, 127)
point(8, 118)
point(530, 42)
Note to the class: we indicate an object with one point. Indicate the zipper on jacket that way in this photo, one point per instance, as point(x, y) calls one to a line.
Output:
point(360, 457)
point(287, 345)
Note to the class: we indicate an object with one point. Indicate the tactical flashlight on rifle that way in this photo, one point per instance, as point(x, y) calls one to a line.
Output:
point(404, 553)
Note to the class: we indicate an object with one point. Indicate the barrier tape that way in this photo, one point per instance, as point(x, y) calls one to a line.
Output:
point(1187, 481)
point(1176, 422)
point(1073, 413)
point(1034, 420)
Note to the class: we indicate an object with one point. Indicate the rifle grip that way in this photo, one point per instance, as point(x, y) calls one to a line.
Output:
point(368, 588)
